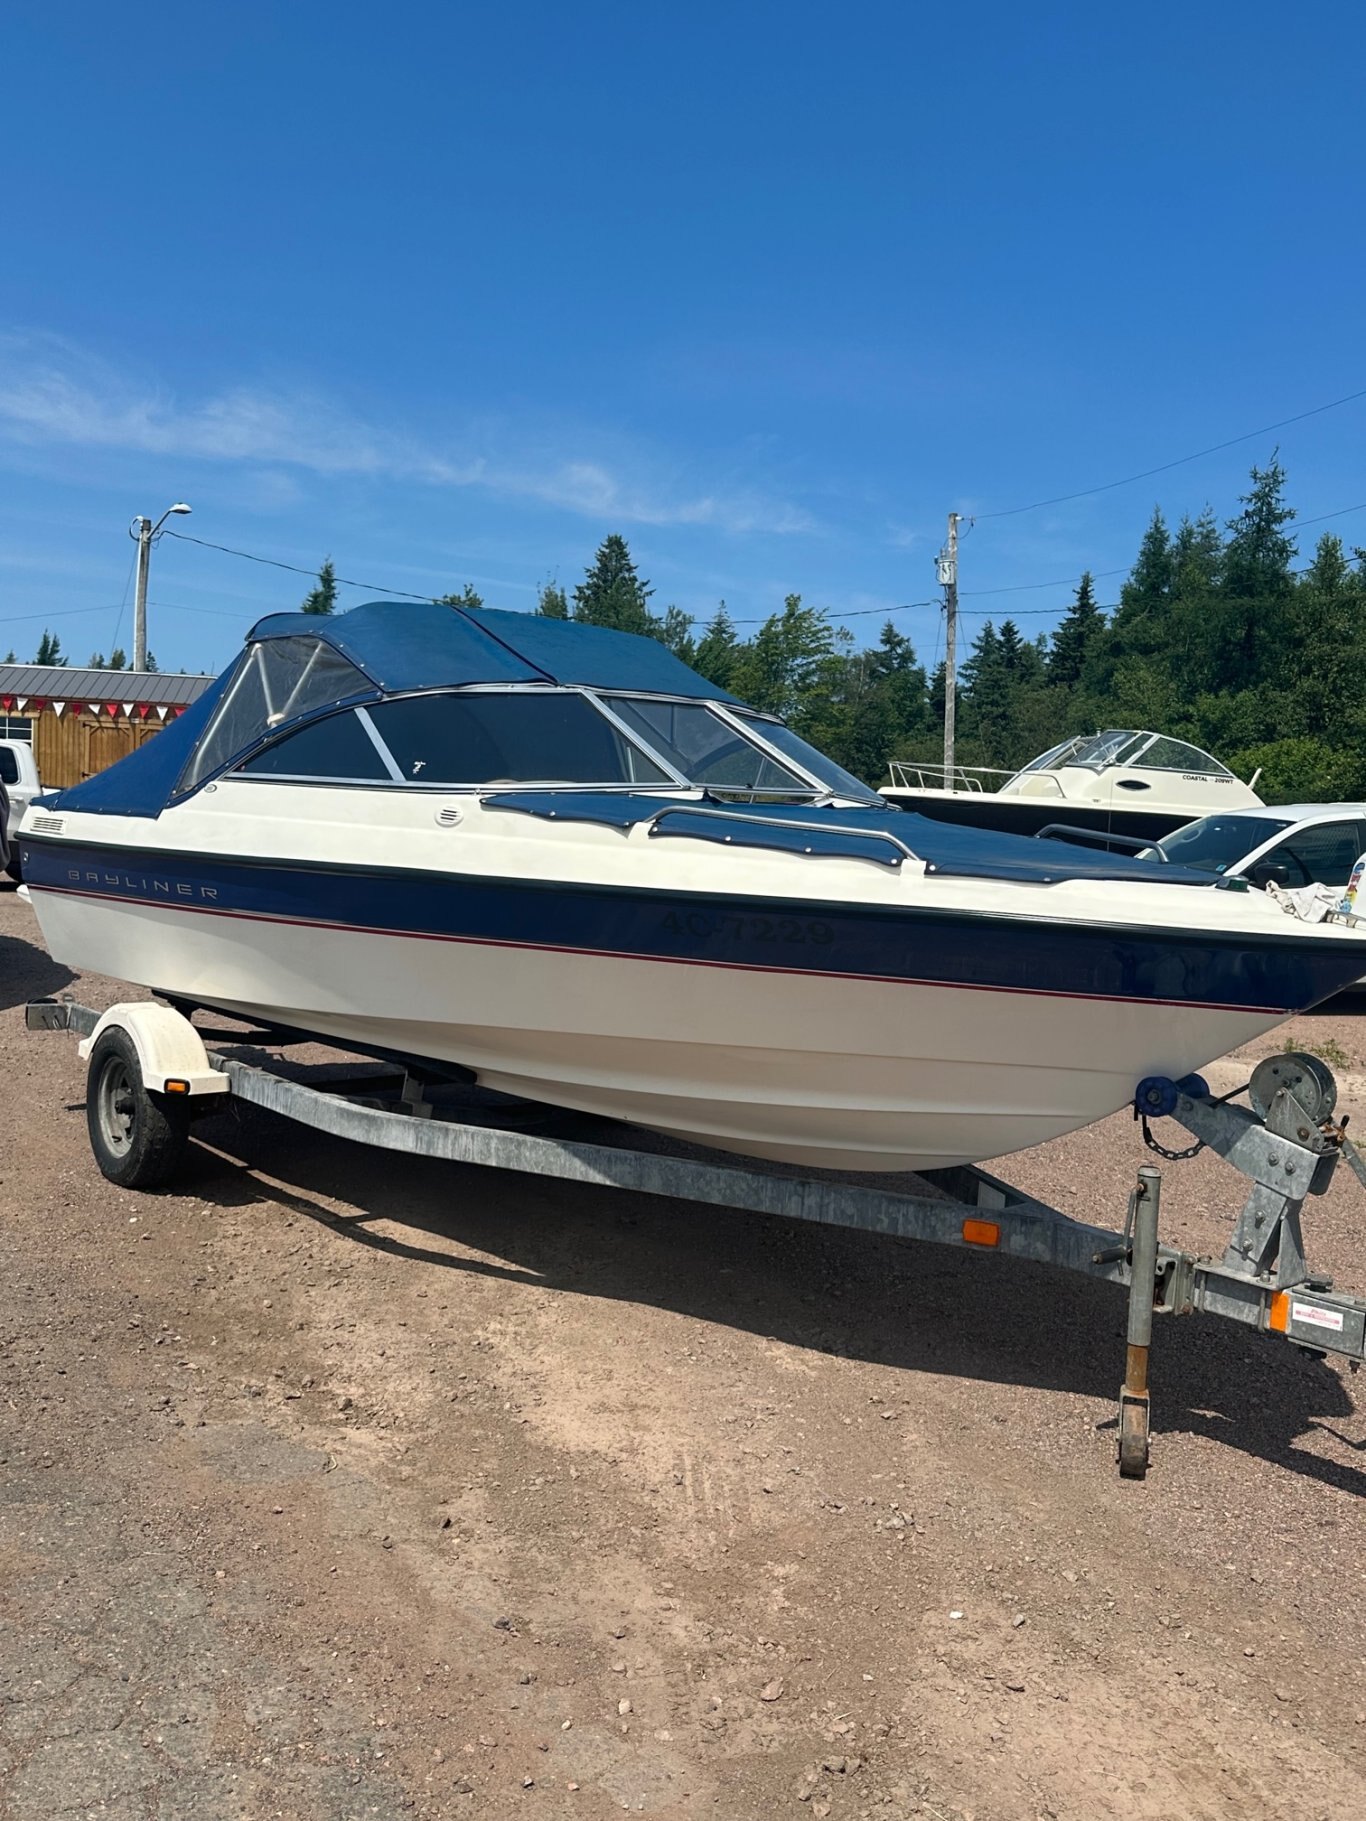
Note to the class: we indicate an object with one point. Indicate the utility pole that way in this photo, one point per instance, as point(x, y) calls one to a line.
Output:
point(143, 532)
point(947, 567)
point(141, 529)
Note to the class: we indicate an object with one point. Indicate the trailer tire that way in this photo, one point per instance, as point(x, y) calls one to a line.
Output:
point(138, 1137)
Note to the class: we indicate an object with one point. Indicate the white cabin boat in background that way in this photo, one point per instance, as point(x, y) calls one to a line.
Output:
point(1125, 781)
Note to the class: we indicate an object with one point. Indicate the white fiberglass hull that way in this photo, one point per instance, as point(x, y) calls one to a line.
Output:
point(813, 1069)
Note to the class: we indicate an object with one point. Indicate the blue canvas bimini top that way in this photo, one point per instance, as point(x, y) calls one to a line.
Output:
point(408, 645)
point(405, 645)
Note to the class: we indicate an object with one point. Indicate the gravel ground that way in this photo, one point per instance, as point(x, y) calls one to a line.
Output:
point(338, 1485)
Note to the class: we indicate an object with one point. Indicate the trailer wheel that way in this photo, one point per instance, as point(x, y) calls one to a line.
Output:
point(138, 1138)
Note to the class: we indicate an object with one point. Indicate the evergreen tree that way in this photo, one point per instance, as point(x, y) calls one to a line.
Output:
point(987, 691)
point(1150, 579)
point(96, 661)
point(323, 598)
point(118, 658)
point(10, 657)
point(1075, 636)
point(675, 631)
point(1197, 557)
point(50, 650)
point(553, 603)
point(468, 597)
point(715, 658)
point(868, 707)
point(152, 665)
point(1259, 551)
point(611, 593)
point(778, 668)
point(903, 690)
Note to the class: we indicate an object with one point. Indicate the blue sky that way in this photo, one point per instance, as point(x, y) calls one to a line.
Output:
point(451, 292)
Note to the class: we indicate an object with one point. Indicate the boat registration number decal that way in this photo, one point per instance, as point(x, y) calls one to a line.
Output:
point(703, 924)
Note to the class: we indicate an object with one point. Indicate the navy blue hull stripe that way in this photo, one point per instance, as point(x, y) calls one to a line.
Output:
point(911, 945)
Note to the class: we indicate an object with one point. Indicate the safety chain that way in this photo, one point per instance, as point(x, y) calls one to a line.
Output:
point(1192, 1150)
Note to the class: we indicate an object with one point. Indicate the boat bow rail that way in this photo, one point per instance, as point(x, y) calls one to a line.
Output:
point(1287, 1144)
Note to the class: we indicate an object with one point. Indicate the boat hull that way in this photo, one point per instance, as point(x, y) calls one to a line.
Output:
point(827, 1035)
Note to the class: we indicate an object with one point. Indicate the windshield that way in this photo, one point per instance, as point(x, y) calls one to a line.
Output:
point(1118, 746)
point(1216, 843)
point(841, 782)
point(1124, 746)
point(704, 748)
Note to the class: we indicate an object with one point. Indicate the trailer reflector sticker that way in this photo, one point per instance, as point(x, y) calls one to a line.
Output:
point(1312, 1316)
point(982, 1232)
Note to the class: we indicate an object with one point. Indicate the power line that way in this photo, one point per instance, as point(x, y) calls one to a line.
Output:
point(1066, 582)
point(272, 562)
point(762, 619)
point(65, 613)
point(407, 595)
point(1061, 499)
point(1341, 512)
point(855, 613)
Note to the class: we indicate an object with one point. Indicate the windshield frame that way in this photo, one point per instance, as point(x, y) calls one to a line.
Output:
point(745, 723)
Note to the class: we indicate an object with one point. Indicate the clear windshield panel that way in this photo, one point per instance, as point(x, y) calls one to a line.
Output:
point(512, 737)
point(300, 674)
point(843, 783)
point(1118, 746)
point(1176, 755)
point(1055, 756)
point(703, 747)
point(274, 682)
point(1214, 844)
point(239, 719)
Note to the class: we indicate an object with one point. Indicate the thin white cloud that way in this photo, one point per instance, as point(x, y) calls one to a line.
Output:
point(52, 393)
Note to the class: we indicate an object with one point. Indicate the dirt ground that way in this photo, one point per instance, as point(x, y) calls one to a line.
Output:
point(338, 1484)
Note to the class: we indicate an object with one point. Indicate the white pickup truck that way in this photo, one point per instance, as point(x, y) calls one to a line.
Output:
point(19, 775)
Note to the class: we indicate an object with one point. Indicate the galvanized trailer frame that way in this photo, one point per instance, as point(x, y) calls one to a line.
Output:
point(1288, 1148)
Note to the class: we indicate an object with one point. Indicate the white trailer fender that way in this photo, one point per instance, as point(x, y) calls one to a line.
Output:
point(169, 1048)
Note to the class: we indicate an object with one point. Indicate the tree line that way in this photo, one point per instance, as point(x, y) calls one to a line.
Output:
point(50, 654)
point(1219, 636)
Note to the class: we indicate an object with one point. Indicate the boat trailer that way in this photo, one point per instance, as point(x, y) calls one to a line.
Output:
point(151, 1073)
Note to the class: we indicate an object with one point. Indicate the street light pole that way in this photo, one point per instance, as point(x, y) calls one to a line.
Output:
point(144, 533)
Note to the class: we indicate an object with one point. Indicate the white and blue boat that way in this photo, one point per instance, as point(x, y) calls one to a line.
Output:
point(556, 856)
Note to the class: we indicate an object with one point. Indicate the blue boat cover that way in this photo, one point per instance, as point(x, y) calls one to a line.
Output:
point(140, 784)
point(410, 645)
point(970, 853)
point(835, 842)
point(402, 645)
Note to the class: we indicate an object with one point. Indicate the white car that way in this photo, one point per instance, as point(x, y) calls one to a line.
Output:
point(1288, 844)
